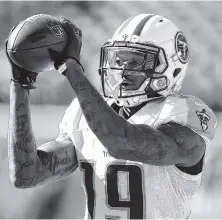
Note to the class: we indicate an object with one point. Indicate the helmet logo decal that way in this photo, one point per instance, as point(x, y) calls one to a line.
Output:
point(181, 47)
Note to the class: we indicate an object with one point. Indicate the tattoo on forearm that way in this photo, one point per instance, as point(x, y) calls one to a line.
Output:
point(98, 126)
point(23, 174)
point(147, 147)
point(53, 161)
point(176, 134)
point(90, 115)
point(85, 104)
point(25, 182)
point(80, 86)
point(96, 111)
point(180, 135)
point(97, 96)
point(22, 136)
point(22, 148)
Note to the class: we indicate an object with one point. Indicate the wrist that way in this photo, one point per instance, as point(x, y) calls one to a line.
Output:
point(17, 86)
point(74, 61)
point(70, 62)
point(16, 82)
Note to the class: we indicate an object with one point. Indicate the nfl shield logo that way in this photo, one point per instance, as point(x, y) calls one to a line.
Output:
point(55, 28)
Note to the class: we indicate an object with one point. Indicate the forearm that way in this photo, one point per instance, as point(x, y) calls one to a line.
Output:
point(29, 166)
point(58, 160)
point(21, 146)
point(108, 126)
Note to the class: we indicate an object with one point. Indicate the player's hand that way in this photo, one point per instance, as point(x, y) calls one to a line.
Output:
point(25, 77)
point(74, 45)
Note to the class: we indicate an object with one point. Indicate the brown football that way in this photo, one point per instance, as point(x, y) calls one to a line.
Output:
point(29, 43)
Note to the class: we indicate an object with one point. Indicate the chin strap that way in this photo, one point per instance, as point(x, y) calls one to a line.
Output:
point(134, 101)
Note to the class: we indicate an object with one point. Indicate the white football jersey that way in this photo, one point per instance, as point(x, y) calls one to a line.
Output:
point(123, 189)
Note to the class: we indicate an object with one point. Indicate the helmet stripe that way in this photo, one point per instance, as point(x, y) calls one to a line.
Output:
point(127, 28)
point(125, 24)
point(141, 25)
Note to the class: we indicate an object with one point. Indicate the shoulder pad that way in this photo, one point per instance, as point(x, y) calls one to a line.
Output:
point(197, 116)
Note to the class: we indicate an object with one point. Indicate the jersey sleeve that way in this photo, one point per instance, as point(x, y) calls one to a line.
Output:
point(197, 116)
point(67, 122)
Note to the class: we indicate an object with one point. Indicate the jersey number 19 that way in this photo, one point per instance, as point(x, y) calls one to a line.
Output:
point(134, 205)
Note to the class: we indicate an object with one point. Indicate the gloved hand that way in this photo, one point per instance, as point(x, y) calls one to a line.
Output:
point(25, 77)
point(74, 44)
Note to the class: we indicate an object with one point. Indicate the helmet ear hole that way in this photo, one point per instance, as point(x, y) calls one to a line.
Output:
point(176, 72)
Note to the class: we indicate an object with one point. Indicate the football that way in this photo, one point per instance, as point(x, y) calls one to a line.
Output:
point(29, 43)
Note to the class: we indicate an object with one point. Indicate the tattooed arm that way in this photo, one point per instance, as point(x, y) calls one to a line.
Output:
point(169, 144)
point(29, 166)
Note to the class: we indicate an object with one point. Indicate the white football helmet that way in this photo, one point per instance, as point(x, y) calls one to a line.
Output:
point(146, 58)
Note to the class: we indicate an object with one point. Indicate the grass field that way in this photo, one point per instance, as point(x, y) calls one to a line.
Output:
point(65, 199)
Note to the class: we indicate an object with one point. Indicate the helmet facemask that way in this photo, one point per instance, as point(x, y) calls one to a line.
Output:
point(130, 70)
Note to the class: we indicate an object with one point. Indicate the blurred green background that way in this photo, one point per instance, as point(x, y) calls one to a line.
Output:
point(200, 21)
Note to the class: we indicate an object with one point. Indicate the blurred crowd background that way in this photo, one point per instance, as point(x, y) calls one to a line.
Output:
point(200, 21)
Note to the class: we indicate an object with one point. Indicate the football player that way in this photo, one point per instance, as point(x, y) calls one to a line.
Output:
point(140, 145)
